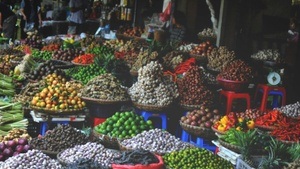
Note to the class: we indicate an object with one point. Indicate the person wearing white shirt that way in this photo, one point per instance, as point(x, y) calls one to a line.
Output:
point(76, 18)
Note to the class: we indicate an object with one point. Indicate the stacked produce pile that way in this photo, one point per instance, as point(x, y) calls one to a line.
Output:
point(105, 87)
point(8, 59)
point(114, 125)
point(44, 69)
point(7, 87)
point(203, 49)
point(204, 117)
point(155, 140)
point(11, 116)
point(207, 32)
point(26, 65)
point(58, 95)
point(12, 148)
point(85, 73)
point(237, 70)
point(31, 159)
point(192, 88)
point(173, 59)
point(42, 55)
point(34, 40)
point(291, 110)
point(250, 114)
point(232, 121)
point(136, 157)
point(135, 31)
point(51, 47)
point(89, 155)
point(60, 138)
point(195, 158)
point(150, 89)
point(15, 134)
point(85, 59)
point(219, 57)
point(67, 54)
point(267, 55)
point(114, 44)
point(144, 58)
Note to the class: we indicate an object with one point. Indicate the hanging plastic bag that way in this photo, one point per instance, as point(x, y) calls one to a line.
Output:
point(29, 27)
point(165, 16)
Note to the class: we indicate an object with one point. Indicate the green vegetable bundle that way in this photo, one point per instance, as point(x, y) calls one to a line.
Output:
point(7, 87)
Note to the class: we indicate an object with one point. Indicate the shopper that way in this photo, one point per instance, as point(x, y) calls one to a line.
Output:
point(31, 15)
point(177, 32)
point(76, 18)
point(8, 21)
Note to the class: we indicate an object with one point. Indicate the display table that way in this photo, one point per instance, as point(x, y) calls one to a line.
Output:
point(46, 120)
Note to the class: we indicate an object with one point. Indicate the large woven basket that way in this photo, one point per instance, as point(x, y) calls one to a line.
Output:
point(57, 112)
point(99, 101)
point(155, 108)
point(265, 128)
point(198, 131)
point(232, 147)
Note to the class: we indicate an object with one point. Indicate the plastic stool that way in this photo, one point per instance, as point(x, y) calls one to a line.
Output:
point(202, 143)
point(44, 126)
point(267, 91)
point(230, 96)
point(185, 136)
point(147, 115)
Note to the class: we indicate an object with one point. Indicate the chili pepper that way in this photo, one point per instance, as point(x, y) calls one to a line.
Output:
point(84, 59)
point(185, 66)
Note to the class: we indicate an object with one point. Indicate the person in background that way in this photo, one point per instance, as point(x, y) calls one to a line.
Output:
point(8, 21)
point(31, 13)
point(177, 32)
point(76, 18)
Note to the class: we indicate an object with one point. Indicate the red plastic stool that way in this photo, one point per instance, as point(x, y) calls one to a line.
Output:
point(97, 120)
point(270, 90)
point(230, 96)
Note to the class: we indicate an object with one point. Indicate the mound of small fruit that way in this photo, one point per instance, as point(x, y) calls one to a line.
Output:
point(202, 49)
point(124, 125)
point(67, 54)
point(34, 40)
point(204, 117)
point(58, 95)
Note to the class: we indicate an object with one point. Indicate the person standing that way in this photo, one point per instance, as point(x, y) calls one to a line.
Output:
point(8, 21)
point(31, 13)
point(76, 18)
point(178, 30)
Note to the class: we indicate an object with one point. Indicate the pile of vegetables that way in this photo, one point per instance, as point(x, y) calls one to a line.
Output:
point(84, 59)
point(195, 158)
point(42, 55)
point(11, 116)
point(291, 110)
point(51, 47)
point(251, 114)
point(123, 125)
point(273, 118)
point(13, 148)
point(26, 65)
point(135, 157)
point(15, 134)
point(7, 87)
point(85, 73)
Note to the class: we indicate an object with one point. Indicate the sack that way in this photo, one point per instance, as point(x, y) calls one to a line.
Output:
point(29, 27)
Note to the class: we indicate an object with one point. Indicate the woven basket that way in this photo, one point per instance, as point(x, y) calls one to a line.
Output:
point(265, 128)
point(56, 112)
point(99, 101)
point(80, 64)
point(107, 141)
point(288, 142)
point(229, 146)
point(198, 131)
point(217, 131)
point(194, 107)
point(150, 107)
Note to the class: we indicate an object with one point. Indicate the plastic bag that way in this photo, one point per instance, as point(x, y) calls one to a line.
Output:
point(29, 27)
point(165, 16)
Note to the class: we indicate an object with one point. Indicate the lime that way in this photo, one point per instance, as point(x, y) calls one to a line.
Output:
point(134, 128)
point(127, 127)
point(127, 122)
point(130, 131)
point(149, 122)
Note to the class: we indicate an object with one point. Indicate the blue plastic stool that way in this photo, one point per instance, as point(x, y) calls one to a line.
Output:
point(44, 126)
point(147, 115)
point(182, 134)
point(202, 143)
point(275, 94)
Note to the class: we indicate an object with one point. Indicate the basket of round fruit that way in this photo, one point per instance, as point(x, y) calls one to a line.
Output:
point(231, 85)
point(199, 122)
point(149, 107)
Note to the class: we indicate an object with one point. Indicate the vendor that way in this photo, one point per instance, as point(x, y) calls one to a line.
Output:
point(177, 32)
point(31, 13)
point(76, 18)
point(8, 21)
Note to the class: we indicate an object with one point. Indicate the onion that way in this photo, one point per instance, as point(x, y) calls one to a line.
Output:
point(2, 157)
point(8, 152)
point(22, 141)
point(16, 153)
point(11, 143)
point(20, 148)
point(26, 148)
point(2, 146)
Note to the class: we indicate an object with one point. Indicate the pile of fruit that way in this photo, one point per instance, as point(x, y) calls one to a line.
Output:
point(123, 125)
point(67, 54)
point(15, 134)
point(232, 121)
point(51, 47)
point(135, 31)
point(85, 73)
point(204, 117)
point(113, 44)
point(250, 114)
point(195, 158)
point(237, 70)
point(192, 89)
point(45, 69)
point(58, 95)
point(219, 57)
point(12, 148)
point(203, 49)
point(42, 55)
point(34, 40)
